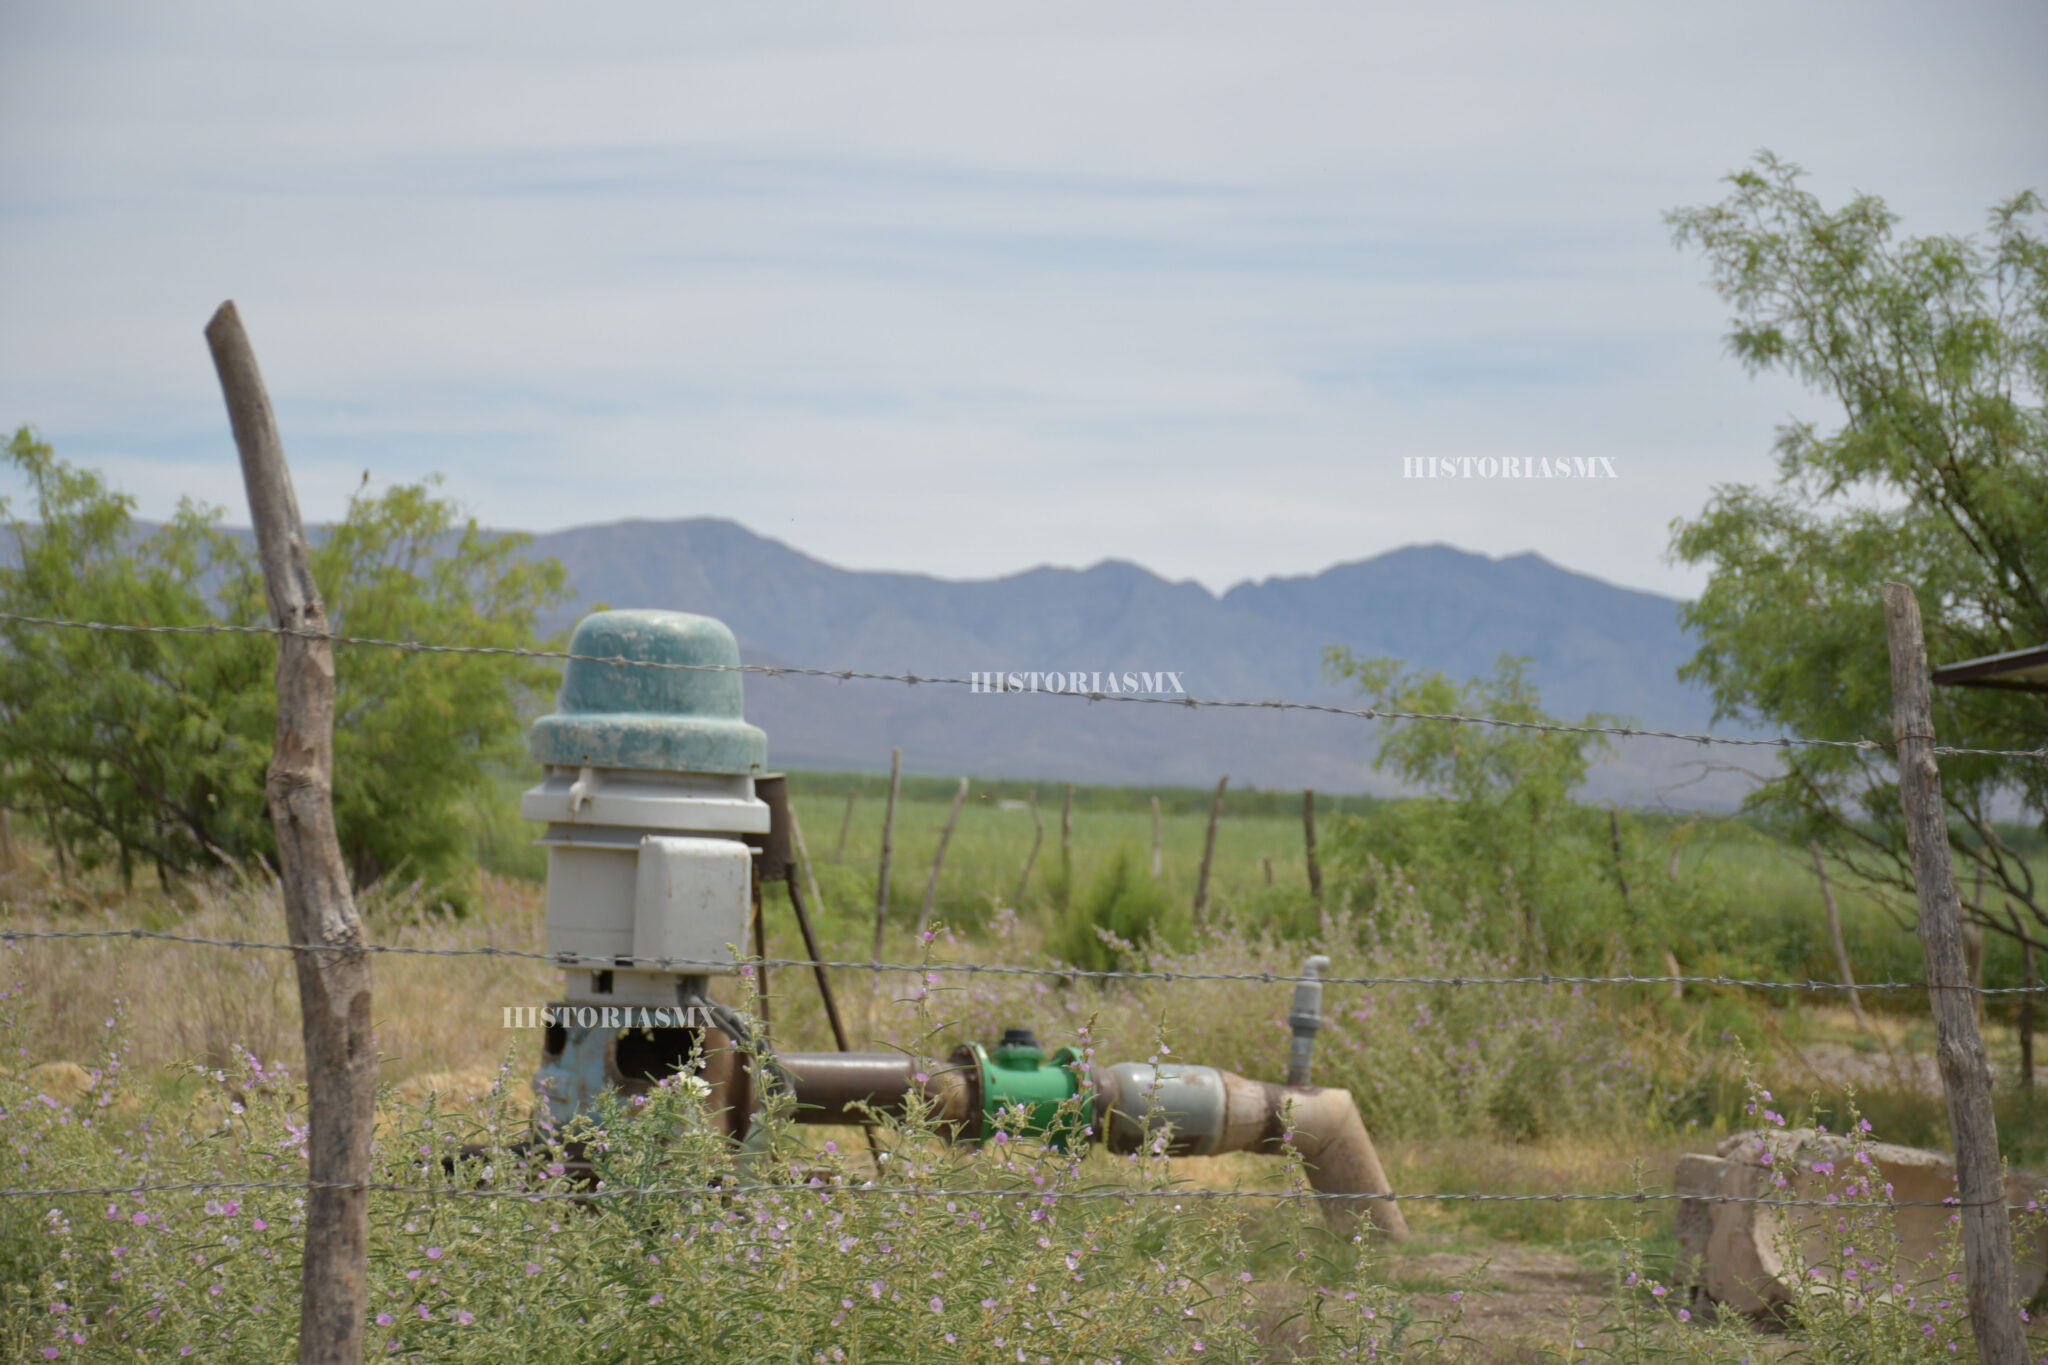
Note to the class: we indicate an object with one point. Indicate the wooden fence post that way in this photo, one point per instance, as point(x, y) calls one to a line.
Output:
point(1067, 847)
point(803, 922)
point(931, 887)
point(1628, 908)
point(845, 827)
point(320, 913)
point(1209, 851)
point(1959, 1051)
point(888, 845)
point(1037, 838)
point(1827, 900)
point(1308, 839)
point(1158, 862)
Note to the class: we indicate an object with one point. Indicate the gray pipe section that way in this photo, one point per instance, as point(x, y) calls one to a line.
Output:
point(1204, 1111)
point(1305, 1018)
point(1197, 1110)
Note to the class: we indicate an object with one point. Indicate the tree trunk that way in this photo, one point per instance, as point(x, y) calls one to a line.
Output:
point(2026, 1013)
point(1827, 900)
point(1959, 1052)
point(320, 912)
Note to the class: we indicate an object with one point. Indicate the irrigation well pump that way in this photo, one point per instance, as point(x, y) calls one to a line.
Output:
point(648, 797)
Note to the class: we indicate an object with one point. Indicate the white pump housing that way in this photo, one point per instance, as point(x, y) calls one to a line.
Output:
point(645, 865)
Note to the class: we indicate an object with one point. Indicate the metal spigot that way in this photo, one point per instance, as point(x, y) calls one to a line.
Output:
point(1305, 1017)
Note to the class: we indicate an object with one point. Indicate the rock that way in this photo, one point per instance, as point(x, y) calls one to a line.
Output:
point(63, 1082)
point(1735, 1253)
point(1698, 1174)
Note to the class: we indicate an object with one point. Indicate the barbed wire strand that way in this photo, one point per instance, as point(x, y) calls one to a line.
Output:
point(670, 964)
point(972, 1192)
point(916, 679)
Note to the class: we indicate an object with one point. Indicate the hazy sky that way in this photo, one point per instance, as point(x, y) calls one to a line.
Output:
point(960, 288)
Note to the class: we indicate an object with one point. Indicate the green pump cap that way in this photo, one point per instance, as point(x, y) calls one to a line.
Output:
point(663, 720)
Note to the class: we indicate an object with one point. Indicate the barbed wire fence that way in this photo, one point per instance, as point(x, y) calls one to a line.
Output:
point(883, 1187)
point(332, 958)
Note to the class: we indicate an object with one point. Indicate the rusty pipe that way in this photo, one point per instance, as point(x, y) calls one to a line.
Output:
point(830, 1087)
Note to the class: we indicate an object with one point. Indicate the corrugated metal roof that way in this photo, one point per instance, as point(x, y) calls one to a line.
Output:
point(2019, 670)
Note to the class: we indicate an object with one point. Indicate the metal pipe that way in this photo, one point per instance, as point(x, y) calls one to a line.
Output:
point(1306, 1019)
point(1205, 1111)
point(830, 1086)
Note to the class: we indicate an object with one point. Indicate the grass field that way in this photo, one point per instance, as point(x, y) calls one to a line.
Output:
point(1525, 1091)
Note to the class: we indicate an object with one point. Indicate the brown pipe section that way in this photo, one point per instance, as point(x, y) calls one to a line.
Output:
point(1330, 1135)
point(1215, 1111)
point(829, 1086)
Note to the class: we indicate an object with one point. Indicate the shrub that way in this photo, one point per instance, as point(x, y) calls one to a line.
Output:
point(1123, 910)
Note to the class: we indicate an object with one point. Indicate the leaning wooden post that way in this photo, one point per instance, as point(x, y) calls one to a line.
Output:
point(1209, 850)
point(1959, 1050)
point(1827, 900)
point(1308, 838)
point(1037, 838)
point(888, 846)
point(320, 913)
point(931, 887)
point(803, 922)
point(845, 827)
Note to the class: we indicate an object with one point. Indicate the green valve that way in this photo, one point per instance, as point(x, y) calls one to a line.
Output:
point(1015, 1071)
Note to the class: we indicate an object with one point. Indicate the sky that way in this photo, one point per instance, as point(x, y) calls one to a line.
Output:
point(961, 289)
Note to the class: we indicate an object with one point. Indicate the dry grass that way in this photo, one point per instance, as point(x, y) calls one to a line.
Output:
point(436, 1018)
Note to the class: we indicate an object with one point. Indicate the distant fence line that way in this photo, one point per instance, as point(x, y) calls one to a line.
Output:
point(1015, 969)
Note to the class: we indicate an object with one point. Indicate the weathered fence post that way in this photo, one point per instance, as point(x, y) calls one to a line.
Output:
point(1037, 838)
point(320, 913)
point(803, 921)
point(1827, 900)
point(1959, 1051)
point(1158, 862)
point(1067, 847)
point(931, 887)
point(1209, 850)
point(888, 845)
point(1620, 867)
point(1308, 839)
point(845, 827)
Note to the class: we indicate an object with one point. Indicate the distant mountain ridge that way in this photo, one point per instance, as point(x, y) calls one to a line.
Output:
point(1594, 648)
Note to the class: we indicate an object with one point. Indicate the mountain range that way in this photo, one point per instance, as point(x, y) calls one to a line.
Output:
point(1592, 647)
